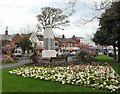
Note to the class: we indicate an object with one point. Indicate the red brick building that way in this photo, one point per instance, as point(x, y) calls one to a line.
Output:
point(71, 44)
point(15, 38)
point(8, 41)
point(68, 44)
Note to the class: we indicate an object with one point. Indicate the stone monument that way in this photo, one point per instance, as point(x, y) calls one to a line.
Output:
point(49, 45)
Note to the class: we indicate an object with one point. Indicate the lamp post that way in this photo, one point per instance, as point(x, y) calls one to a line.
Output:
point(65, 52)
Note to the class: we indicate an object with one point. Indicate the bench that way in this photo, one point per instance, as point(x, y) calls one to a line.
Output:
point(53, 60)
point(58, 59)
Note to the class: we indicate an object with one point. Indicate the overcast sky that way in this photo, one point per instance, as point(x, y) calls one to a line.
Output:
point(17, 14)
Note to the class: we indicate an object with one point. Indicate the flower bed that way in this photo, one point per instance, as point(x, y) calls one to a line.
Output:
point(95, 76)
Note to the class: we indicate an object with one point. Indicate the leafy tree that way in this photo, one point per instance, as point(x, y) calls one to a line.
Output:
point(103, 34)
point(110, 26)
point(107, 24)
point(100, 38)
point(25, 44)
point(111, 22)
point(53, 17)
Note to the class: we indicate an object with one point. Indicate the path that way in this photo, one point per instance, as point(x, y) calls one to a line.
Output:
point(19, 63)
point(22, 62)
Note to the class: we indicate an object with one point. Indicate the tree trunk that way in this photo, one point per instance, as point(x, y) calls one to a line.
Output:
point(114, 48)
point(118, 51)
point(102, 50)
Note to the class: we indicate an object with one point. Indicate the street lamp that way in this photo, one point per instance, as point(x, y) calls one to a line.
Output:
point(65, 52)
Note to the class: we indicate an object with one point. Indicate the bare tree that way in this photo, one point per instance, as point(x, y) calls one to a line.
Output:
point(28, 29)
point(52, 16)
point(70, 7)
point(57, 35)
point(97, 7)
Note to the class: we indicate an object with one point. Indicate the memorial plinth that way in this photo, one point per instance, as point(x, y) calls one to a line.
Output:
point(49, 49)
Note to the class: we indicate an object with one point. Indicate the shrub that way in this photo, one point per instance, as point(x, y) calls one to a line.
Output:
point(85, 56)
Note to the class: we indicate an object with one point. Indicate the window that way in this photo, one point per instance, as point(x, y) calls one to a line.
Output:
point(63, 45)
point(56, 44)
point(68, 44)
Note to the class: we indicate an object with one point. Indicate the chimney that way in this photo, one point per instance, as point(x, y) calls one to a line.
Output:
point(63, 36)
point(6, 32)
point(73, 36)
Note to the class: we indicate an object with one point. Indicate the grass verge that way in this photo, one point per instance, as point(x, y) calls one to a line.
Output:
point(104, 58)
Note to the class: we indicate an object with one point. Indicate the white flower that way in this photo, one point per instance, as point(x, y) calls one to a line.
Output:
point(68, 81)
point(85, 82)
point(68, 68)
point(113, 89)
point(72, 82)
point(11, 72)
point(63, 82)
point(104, 83)
point(101, 85)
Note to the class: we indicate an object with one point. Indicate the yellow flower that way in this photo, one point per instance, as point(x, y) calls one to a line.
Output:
point(8, 58)
point(91, 76)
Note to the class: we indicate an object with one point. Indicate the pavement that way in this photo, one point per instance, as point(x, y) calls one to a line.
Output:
point(22, 62)
point(19, 63)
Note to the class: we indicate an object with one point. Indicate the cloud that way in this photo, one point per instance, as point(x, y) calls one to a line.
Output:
point(18, 13)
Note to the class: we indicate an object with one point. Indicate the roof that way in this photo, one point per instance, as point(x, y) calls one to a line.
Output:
point(14, 35)
point(5, 37)
point(65, 40)
point(79, 37)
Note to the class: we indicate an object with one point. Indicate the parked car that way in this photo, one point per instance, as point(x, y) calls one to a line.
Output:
point(18, 53)
point(73, 53)
point(62, 53)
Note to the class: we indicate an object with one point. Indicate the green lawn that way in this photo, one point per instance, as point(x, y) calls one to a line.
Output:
point(104, 58)
point(0, 80)
point(116, 67)
point(12, 83)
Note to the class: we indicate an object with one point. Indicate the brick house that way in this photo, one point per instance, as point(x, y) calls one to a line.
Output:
point(8, 41)
point(15, 38)
point(68, 44)
point(72, 44)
